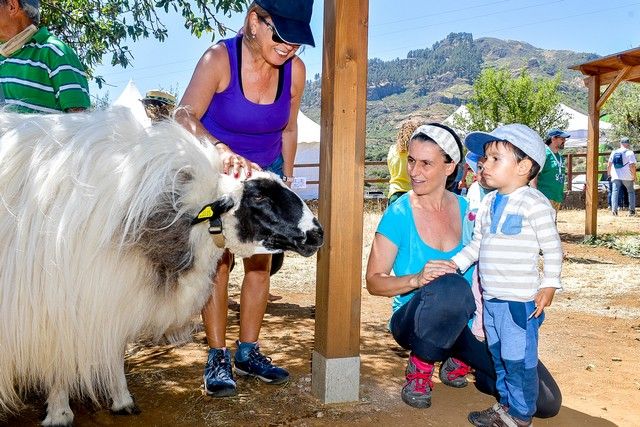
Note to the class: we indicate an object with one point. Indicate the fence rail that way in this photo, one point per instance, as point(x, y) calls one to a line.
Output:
point(570, 159)
point(366, 180)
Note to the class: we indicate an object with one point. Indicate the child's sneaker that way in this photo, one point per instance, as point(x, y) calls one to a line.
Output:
point(453, 373)
point(218, 378)
point(255, 364)
point(496, 416)
point(417, 390)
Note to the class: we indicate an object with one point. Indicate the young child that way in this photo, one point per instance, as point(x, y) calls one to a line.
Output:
point(477, 190)
point(513, 225)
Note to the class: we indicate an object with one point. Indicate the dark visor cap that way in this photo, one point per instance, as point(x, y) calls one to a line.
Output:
point(291, 18)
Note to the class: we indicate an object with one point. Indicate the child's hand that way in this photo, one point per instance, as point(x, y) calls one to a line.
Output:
point(543, 299)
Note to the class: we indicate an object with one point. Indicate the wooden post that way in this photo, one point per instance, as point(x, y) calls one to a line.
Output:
point(336, 357)
point(570, 171)
point(593, 147)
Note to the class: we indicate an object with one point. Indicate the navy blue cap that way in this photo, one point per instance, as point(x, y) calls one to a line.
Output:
point(557, 132)
point(291, 18)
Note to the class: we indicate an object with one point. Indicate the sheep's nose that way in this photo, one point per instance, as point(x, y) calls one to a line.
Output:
point(315, 236)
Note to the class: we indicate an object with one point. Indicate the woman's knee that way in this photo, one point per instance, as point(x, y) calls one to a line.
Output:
point(450, 293)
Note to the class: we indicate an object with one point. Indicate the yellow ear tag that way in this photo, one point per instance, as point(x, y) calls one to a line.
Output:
point(205, 213)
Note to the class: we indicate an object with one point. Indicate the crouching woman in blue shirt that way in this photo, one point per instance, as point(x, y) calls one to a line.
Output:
point(432, 304)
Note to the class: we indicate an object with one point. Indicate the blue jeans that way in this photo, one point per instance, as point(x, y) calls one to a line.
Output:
point(616, 186)
point(276, 166)
point(433, 324)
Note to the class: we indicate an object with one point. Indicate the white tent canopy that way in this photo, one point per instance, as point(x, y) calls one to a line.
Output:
point(130, 98)
point(308, 141)
point(308, 153)
point(577, 127)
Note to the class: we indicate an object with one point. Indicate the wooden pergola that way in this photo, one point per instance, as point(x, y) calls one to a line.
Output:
point(611, 71)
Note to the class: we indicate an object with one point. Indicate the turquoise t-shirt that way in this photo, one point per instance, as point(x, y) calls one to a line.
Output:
point(397, 225)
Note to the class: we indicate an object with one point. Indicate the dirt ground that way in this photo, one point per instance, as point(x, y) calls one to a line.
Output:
point(590, 342)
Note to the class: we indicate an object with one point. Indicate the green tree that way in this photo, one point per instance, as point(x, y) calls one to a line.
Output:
point(95, 28)
point(623, 108)
point(499, 98)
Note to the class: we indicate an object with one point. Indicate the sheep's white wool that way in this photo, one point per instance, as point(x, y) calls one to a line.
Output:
point(78, 277)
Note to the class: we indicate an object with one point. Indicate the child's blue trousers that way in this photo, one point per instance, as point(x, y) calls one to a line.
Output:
point(513, 342)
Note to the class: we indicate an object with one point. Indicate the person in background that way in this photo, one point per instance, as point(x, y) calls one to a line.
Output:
point(244, 98)
point(397, 162)
point(622, 170)
point(476, 193)
point(38, 72)
point(158, 104)
point(550, 180)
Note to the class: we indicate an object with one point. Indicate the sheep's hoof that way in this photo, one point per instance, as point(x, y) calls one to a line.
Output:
point(59, 419)
point(127, 410)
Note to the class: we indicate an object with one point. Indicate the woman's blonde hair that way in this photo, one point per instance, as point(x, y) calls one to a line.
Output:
point(404, 134)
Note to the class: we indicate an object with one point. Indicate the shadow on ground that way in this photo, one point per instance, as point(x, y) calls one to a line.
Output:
point(166, 383)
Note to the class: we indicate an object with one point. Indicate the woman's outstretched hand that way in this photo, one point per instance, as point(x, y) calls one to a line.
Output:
point(432, 270)
point(233, 164)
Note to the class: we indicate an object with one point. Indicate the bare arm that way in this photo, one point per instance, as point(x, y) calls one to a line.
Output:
point(210, 77)
point(634, 170)
point(290, 133)
point(381, 282)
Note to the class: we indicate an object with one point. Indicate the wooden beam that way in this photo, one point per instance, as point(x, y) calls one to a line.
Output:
point(594, 70)
point(622, 74)
point(627, 59)
point(591, 190)
point(633, 74)
point(343, 109)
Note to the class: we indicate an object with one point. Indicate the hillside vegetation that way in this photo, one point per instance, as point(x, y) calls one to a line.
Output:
point(431, 83)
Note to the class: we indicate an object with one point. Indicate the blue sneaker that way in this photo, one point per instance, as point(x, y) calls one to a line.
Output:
point(258, 365)
point(218, 378)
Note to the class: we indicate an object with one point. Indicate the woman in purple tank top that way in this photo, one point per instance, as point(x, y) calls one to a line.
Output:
point(244, 98)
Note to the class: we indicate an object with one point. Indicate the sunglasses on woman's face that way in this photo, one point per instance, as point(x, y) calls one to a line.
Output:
point(274, 34)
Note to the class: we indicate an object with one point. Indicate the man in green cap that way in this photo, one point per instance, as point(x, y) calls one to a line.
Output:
point(550, 180)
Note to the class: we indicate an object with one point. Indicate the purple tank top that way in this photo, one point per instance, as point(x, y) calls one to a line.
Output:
point(251, 130)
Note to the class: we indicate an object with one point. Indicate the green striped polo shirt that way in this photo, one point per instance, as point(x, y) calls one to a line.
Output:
point(45, 76)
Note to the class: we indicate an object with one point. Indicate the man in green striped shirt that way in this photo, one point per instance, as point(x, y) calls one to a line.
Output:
point(38, 72)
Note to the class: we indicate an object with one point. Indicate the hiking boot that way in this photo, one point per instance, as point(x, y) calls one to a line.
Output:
point(496, 416)
point(218, 378)
point(453, 373)
point(417, 390)
point(249, 361)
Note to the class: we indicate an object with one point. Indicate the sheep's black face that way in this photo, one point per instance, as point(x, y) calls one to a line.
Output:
point(272, 213)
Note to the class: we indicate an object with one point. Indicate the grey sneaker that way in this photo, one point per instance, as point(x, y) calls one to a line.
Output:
point(496, 416)
point(453, 373)
point(417, 390)
point(218, 378)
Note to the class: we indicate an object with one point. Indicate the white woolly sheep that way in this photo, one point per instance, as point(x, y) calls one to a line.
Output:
point(99, 246)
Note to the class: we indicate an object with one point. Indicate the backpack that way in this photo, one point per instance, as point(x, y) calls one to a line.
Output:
point(618, 160)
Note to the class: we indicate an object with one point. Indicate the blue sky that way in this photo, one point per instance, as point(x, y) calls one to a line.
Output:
point(397, 26)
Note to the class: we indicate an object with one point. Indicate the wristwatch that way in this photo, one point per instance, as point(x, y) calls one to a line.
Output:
point(286, 178)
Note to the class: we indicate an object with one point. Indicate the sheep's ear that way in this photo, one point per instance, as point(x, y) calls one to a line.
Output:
point(214, 210)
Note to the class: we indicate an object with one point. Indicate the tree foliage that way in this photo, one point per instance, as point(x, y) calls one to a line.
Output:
point(95, 28)
point(623, 108)
point(499, 98)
